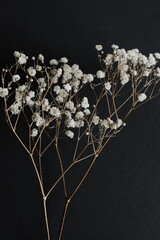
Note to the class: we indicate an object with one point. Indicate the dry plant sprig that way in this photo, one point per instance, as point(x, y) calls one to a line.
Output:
point(60, 101)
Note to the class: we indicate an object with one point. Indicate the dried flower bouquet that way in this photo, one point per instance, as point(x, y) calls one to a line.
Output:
point(59, 101)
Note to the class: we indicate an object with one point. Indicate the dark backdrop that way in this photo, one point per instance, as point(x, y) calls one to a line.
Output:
point(120, 199)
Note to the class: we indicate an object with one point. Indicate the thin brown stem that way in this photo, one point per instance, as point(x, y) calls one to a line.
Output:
point(63, 220)
point(62, 170)
point(55, 184)
point(38, 176)
point(46, 218)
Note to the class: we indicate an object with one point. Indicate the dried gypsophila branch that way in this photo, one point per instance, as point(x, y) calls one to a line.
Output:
point(52, 97)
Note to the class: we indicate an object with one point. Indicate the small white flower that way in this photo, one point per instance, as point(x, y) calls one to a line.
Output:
point(157, 73)
point(100, 74)
point(151, 60)
point(3, 92)
point(41, 57)
point(157, 55)
point(18, 96)
point(68, 114)
point(38, 68)
point(53, 62)
point(142, 97)
point(29, 97)
point(56, 89)
point(31, 71)
point(69, 105)
point(87, 78)
point(85, 103)
point(78, 74)
point(119, 122)
point(107, 86)
point(87, 111)
point(75, 83)
point(95, 120)
point(31, 94)
point(114, 46)
point(143, 59)
point(132, 53)
point(70, 123)
point(105, 123)
point(66, 76)
point(113, 126)
point(34, 132)
point(35, 116)
point(59, 72)
point(67, 87)
point(45, 105)
point(116, 58)
point(42, 83)
point(63, 93)
point(38, 119)
point(38, 103)
point(63, 60)
point(54, 111)
point(69, 133)
point(59, 99)
point(99, 47)
point(79, 115)
point(22, 88)
point(108, 59)
point(54, 79)
point(16, 54)
point(124, 79)
point(75, 67)
point(29, 101)
point(22, 59)
point(110, 121)
point(90, 77)
point(79, 123)
point(134, 72)
point(146, 72)
point(15, 108)
point(124, 68)
point(67, 69)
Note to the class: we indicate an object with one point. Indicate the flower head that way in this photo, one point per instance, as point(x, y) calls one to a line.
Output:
point(69, 134)
point(142, 97)
point(100, 74)
point(31, 71)
point(99, 47)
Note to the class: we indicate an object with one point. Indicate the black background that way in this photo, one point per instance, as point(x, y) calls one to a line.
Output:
point(120, 199)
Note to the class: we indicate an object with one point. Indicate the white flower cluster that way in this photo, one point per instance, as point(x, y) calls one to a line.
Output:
point(50, 96)
point(21, 58)
point(76, 115)
point(52, 93)
point(108, 123)
point(129, 64)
